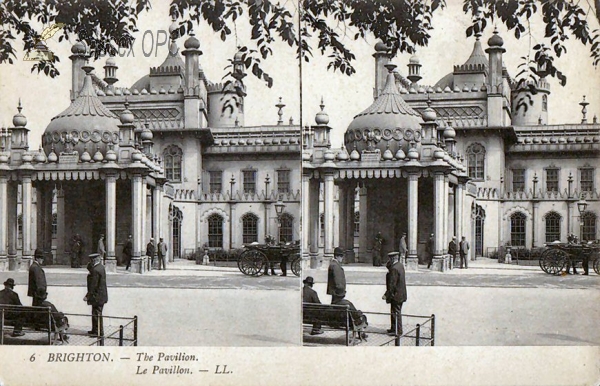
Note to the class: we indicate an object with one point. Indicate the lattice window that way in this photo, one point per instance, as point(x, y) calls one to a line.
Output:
point(173, 156)
point(249, 228)
point(249, 181)
point(589, 226)
point(356, 223)
point(283, 181)
point(552, 179)
point(215, 181)
point(552, 227)
point(54, 224)
point(518, 180)
point(517, 229)
point(586, 181)
point(286, 228)
point(476, 161)
point(215, 231)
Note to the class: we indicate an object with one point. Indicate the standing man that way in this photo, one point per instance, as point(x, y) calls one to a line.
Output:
point(402, 248)
point(452, 250)
point(336, 278)
point(309, 295)
point(464, 252)
point(97, 295)
point(377, 250)
point(37, 277)
point(102, 248)
point(162, 253)
point(150, 252)
point(76, 252)
point(430, 249)
point(127, 251)
point(9, 297)
point(395, 294)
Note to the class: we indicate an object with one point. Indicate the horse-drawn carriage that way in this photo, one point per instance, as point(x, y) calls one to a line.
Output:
point(256, 258)
point(557, 255)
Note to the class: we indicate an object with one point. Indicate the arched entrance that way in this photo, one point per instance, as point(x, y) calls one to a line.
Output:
point(479, 221)
point(176, 218)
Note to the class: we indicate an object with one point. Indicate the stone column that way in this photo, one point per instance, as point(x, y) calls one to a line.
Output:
point(458, 210)
point(412, 260)
point(328, 198)
point(349, 235)
point(144, 194)
point(3, 222)
point(534, 221)
point(12, 231)
point(110, 183)
point(60, 225)
point(305, 222)
point(26, 190)
point(363, 207)
point(136, 211)
point(570, 209)
point(445, 216)
point(232, 225)
point(342, 213)
point(313, 222)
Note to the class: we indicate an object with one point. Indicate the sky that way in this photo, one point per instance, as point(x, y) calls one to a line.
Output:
point(344, 96)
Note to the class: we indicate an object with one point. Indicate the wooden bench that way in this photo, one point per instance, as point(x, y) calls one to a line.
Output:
point(30, 318)
point(336, 317)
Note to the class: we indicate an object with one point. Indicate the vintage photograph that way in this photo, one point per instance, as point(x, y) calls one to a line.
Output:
point(150, 192)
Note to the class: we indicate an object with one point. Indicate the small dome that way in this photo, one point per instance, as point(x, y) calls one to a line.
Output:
point(192, 43)
point(429, 114)
point(111, 61)
point(381, 47)
point(449, 132)
point(343, 154)
point(126, 117)
point(146, 134)
point(98, 157)
point(173, 27)
point(329, 156)
point(354, 156)
point(79, 48)
point(413, 154)
point(438, 154)
point(322, 118)
point(40, 157)
point(85, 156)
point(136, 156)
point(52, 157)
point(400, 155)
point(111, 155)
point(495, 40)
point(27, 157)
point(19, 120)
point(414, 60)
point(387, 154)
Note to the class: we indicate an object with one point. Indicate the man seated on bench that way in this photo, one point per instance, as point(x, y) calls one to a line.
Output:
point(359, 319)
point(309, 295)
point(9, 297)
point(60, 323)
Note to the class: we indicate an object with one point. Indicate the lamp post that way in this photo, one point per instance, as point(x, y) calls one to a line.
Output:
point(279, 206)
point(581, 207)
point(231, 183)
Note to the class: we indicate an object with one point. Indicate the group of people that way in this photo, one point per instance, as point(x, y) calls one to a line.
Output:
point(395, 294)
point(152, 251)
point(96, 296)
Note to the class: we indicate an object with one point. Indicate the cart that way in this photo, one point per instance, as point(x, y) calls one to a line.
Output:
point(257, 257)
point(556, 256)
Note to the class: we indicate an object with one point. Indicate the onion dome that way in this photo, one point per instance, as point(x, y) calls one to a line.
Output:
point(449, 132)
point(136, 156)
point(126, 117)
point(495, 40)
point(429, 114)
point(414, 60)
point(79, 48)
point(173, 27)
point(387, 154)
point(192, 43)
point(19, 120)
point(98, 157)
point(40, 157)
point(27, 157)
point(342, 155)
point(438, 153)
point(400, 155)
point(354, 156)
point(111, 61)
point(146, 134)
point(322, 118)
point(389, 118)
point(381, 47)
point(85, 156)
point(52, 157)
point(111, 155)
point(328, 156)
point(413, 154)
point(85, 120)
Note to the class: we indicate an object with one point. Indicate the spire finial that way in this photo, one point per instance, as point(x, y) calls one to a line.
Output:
point(280, 106)
point(322, 105)
point(19, 107)
point(583, 105)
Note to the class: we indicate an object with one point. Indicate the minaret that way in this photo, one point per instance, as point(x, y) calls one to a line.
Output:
point(191, 82)
point(414, 70)
point(110, 72)
point(19, 133)
point(495, 80)
point(382, 57)
point(78, 58)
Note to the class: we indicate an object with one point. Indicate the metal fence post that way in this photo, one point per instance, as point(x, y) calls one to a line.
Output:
point(2, 329)
point(418, 335)
point(135, 330)
point(121, 335)
point(432, 329)
point(49, 326)
point(397, 340)
point(347, 312)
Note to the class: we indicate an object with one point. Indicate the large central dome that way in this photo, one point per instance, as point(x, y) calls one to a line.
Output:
point(392, 122)
point(89, 124)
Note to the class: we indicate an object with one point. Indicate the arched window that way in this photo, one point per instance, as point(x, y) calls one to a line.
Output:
point(476, 161)
point(589, 226)
point(54, 224)
point(356, 223)
point(544, 102)
point(172, 163)
point(286, 228)
point(215, 231)
point(517, 229)
point(552, 227)
point(249, 228)
point(20, 226)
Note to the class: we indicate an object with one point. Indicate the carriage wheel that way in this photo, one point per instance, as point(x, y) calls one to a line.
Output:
point(597, 265)
point(553, 261)
point(297, 265)
point(252, 262)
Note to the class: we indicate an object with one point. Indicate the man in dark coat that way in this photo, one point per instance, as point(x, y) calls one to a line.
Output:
point(463, 250)
point(10, 297)
point(452, 250)
point(127, 252)
point(76, 251)
point(60, 323)
point(336, 278)
point(395, 294)
point(309, 295)
point(97, 295)
point(151, 251)
point(162, 254)
point(430, 249)
point(358, 317)
point(37, 277)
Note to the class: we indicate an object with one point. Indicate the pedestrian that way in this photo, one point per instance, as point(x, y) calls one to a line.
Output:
point(205, 258)
point(336, 278)
point(127, 252)
point(403, 249)
point(395, 294)
point(150, 252)
point(101, 248)
point(377, 250)
point(162, 254)
point(508, 256)
point(59, 322)
point(358, 317)
point(309, 295)
point(463, 250)
point(430, 249)
point(452, 250)
point(37, 277)
point(97, 294)
point(9, 297)
point(76, 248)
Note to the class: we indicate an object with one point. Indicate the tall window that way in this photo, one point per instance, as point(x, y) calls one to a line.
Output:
point(249, 181)
point(215, 181)
point(517, 229)
point(249, 228)
point(586, 182)
point(215, 231)
point(544, 103)
point(356, 223)
point(476, 161)
point(552, 180)
point(20, 226)
point(283, 181)
point(589, 226)
point(54, 224)
point(518, 180)
point(172, 161)
point(552, 227)
point(286, 228)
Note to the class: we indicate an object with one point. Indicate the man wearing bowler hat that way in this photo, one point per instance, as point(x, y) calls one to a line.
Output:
point(97, 295)
point(336, 278)
point(395, 294)
point(37, 277)
point(309, 295)
point(9, 297)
